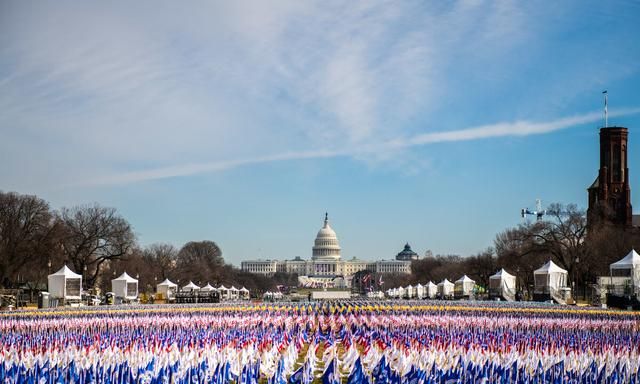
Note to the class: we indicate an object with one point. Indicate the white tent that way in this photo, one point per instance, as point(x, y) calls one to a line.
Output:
point(400, 292)
point(389, 292)
point(549, 278)
point(629, 267)
point(234, 292)
point(502, 283)
point(432, 290)
point(125, 287)
point(224, 292)
point(207, 288)
point(408, 291)
point(420, 291)
point(244, 293)
point(464, 286)
point(65, 284)
point(167, 288)
point(445, 288)
point(190, 287)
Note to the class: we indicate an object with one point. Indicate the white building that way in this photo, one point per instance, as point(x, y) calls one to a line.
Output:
point(260, 267)
point(326, 267)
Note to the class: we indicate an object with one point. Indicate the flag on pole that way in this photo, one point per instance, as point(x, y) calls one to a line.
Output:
point(606, 122)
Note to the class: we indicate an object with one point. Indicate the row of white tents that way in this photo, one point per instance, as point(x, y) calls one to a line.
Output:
point(462, 287)
point(168, 289)
point(67, 285)
point(502, 284)
point(549, 280)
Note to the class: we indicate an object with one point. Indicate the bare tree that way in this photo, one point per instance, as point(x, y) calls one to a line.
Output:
point(200, 261)
point(436, 268)
point(563, 236)
point(162, 258)
point(93, 235)
point(27, 233)
point(481, 266)
point(517, 252)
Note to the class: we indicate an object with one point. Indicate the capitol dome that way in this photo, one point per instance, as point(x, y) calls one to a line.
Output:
point(326, 246)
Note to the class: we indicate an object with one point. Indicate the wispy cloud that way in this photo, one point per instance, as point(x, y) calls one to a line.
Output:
point(518, 128)
point(87, 88)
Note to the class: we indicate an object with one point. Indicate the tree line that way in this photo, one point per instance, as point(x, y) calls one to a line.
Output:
point(98, 243)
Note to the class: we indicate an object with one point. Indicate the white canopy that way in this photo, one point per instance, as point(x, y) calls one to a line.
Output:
point(207, 288)
point(465, 279)
point(432, 290)
point(464, 286)
point(550, 276)
point(225, 293)
point(190, 287)
point(65, 284)
point(244, 293)
point(409, 291)
point(628, 266)
point(168, 283)
point(501, 274)
point(549, 267)
point(445, 287)
point(631, 261)
point(167, 288)
point(125, 287)
point(502, 280)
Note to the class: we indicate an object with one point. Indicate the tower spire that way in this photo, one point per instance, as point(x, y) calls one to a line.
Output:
point(326, 218)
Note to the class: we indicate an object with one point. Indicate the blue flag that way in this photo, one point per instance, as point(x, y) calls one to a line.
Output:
point(331, 374)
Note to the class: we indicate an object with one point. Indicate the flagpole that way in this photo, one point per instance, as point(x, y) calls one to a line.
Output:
point(606, 120)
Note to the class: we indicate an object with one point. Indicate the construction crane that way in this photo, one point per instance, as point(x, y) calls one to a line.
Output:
point(539, 213)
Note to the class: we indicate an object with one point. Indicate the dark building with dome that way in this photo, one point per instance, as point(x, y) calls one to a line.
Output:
point(407, 254)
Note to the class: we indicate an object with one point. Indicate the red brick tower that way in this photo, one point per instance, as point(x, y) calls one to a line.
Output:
point(610, 194)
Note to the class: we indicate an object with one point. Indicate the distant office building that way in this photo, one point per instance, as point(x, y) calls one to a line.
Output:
point(326, 267)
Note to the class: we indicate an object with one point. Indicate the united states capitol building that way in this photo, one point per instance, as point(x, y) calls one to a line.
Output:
point(326, 267)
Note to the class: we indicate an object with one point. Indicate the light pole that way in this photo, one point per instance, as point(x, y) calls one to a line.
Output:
point(575, 277)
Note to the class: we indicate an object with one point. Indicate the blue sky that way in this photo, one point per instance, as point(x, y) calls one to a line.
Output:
point(243, 122)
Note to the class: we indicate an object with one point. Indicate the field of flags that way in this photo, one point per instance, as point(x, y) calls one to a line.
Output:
point(340, 342)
